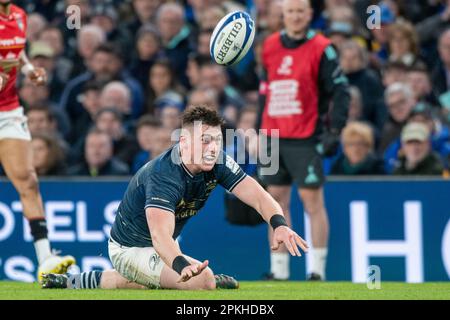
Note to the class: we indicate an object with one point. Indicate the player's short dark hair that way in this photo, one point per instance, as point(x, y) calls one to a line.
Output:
point(207, 116)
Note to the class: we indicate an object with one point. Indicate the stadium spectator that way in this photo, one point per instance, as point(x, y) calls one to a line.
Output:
point(441, 72)
point(98, 158)
point(105, 65)
point(440, 137)
point(144, 13)
point(36, 23)
point(195, 61)
point(146, 133)
point(42, 55)
point(354, 62)
point(30, 94)
point(148, 50)
point(41, 120)
point(89, 38)
point(403, 43)
point(433, 26)
point(203, 40)
point(355, 108)
point(175, 35)
point(400, 102)
point(163, 142)
point(53, 37)
point(125, 147)
point(106, 17)
point(37, 96)
point(358, 156)
point(394, 72)
point(380, 52)
point(90, 100)
point(274, 18)
point(118, 96)
point(342, 25)
point(210, 17)
point(48, 156)
point(419, 80)
point(418, 157)
point(204, 97)
point(162, 84)
point(214, 76)
point(171, 117)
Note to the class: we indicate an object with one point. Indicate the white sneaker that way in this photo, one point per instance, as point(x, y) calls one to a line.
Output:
point(55, 264)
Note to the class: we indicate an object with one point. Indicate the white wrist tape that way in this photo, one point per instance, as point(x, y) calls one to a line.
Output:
point(27, 68)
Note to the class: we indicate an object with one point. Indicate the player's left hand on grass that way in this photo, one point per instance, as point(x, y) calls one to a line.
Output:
point(290, 239)
point(192, 271)
point(38, 76)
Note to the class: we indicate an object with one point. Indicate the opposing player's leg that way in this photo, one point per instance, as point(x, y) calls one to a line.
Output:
point(279, 259)
point(16, 159)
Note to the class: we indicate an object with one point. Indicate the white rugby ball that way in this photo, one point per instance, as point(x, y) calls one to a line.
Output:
point(232, 38)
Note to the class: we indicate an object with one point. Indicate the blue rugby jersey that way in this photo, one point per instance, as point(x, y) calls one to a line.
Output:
point(165, 183)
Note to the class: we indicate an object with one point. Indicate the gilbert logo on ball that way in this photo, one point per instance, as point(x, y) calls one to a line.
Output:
point(232, 38)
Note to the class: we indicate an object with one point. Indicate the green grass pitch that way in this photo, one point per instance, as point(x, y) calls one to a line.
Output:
point(247, 291)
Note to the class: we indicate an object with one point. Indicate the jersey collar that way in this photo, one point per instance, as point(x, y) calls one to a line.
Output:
point(177, 157)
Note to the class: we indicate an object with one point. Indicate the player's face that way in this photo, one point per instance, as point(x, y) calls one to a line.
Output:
point(297, 15)
point(203, 145)
point(211, 143)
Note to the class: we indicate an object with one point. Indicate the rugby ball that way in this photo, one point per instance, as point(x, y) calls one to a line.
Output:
point(232, 38)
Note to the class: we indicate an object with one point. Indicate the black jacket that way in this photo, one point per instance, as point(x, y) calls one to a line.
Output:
point(113, 167)
point(372, 94)
point(370, 166)
point(431, 165)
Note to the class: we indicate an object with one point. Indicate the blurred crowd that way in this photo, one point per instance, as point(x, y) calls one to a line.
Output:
point(118, 84)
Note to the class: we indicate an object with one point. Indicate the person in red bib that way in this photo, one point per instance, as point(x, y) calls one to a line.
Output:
point(15, 147)
point(305, 97)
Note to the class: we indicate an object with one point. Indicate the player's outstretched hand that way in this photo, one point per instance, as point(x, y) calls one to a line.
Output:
point(38, 76)
point(3, 80)
point(290, 239)
point(192, 271)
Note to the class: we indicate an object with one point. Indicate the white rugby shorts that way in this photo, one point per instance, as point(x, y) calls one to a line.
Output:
point(13, 125)
point(140, 265)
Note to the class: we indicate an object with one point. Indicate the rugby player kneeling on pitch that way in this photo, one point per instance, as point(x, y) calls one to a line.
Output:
point(160, 199)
